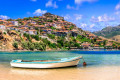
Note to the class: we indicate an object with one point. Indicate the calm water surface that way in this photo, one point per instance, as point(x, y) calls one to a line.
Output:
point(93, 58)
point(102, 62)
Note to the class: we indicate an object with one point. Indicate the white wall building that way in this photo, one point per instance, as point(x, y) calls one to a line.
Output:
point(15, 23)
point(2, 27)
point(32, 32)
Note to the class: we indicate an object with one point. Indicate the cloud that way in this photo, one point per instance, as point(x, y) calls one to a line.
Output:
point(81, 1)
point(34, 0)
point(117, 7)
point(78, 16)
point(117, 12)
point(39, 12)
point(67, 17)
point(92, 25)
point(4, 17)
point(71, 7)
point(94, 19)
point(103, 18)
point(83, 25)
point(50, 3)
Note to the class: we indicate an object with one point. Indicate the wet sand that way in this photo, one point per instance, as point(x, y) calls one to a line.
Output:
point(73, 73)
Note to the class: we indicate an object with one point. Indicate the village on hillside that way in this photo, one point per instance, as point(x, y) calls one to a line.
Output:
point(48, 32)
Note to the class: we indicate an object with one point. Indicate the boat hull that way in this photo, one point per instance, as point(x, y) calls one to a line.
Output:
point(47, 65)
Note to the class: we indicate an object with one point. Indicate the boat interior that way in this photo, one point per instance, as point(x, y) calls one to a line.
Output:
point(63, 59)
point(40, 60)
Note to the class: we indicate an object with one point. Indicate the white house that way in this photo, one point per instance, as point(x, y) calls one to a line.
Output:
point(2, 27)
point(33, 22)
point(15, 23)
point(32, 32)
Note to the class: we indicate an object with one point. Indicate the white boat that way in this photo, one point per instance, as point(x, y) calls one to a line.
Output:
point(64, 62)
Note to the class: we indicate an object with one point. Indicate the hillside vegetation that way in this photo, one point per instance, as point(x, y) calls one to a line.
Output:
point(48, 32)
point(109, 32)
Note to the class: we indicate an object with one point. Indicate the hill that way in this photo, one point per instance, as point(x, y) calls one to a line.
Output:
point(47, 32)
point(116, 38)
point(108, 32)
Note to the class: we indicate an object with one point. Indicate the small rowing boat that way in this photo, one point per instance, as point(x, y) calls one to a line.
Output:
point(64, 62)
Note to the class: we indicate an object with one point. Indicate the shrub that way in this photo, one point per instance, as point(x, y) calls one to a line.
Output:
point(60, 42)
point(36, 37)
point(66, 44)
point(51, 36)
point(40, 46)
point(56, 19)
point(77, 45)
point(46, 42)
point(52, 45)
point(31, 46)
point(4, 32)
point(71, 27)
point(25, 45)
point(27, 36)
point(59, 45)
point(26, 19)
point(49, 20)
point(105, 42)
point(36, 28)
point(52, 28)
point(15, 44)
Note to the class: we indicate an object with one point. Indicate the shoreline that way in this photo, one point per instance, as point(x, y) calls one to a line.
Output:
point(60, 50)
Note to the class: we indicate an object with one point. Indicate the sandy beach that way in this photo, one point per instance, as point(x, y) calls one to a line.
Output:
point(73, 73)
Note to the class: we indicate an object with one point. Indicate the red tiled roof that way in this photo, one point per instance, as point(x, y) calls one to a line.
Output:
point(91, 35)
point(99, 40)
point(63, 31)
point(33, 30)
point(96, 45)
point(39, 25)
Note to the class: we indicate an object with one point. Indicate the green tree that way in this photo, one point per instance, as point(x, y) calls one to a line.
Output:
point(77, 45)
point(25, 45)
point(15, 44)
point(27, 36)
point(36, 37)
point(51, 36)
point(56, 19)
point(71, 27)
point(31, 46)
point(52, 45)
point(53, 28)
point(104, 43)
point(40, 46)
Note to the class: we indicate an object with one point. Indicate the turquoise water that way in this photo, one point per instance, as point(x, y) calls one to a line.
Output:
point(93, 58)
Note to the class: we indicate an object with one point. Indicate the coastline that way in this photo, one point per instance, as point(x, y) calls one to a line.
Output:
point(60, 50)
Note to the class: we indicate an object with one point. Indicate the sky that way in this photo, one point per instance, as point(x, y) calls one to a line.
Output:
point(90, 15)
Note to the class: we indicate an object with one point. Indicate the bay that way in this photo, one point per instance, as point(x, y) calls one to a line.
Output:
point(101, 65)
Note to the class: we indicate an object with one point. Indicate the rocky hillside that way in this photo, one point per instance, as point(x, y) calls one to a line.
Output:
point(109, 32)
point(116, 38)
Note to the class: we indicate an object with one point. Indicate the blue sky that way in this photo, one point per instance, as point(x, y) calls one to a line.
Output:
point(91, 15)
